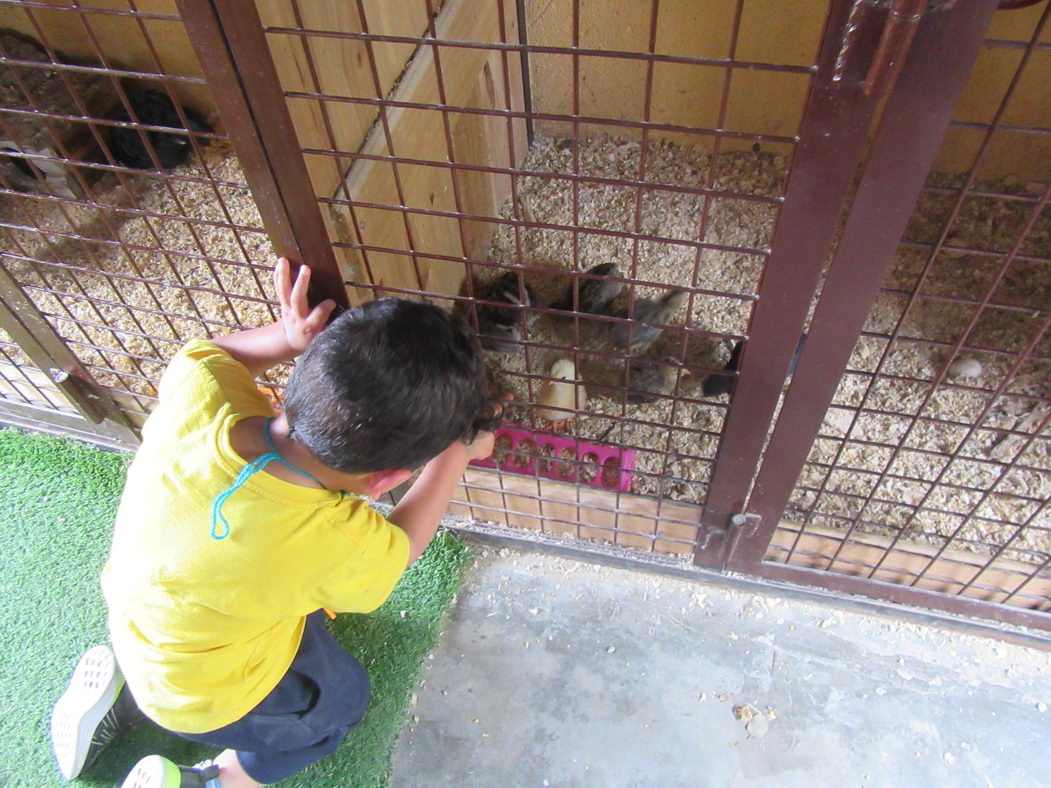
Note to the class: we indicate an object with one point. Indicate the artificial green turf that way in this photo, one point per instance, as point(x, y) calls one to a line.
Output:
point(56, 511)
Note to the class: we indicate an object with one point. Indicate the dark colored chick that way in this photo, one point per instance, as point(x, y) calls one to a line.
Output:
point(501, 328)
point(723, 382)
point(594, 295)
point(648, 311)
point(650, 380)
point(153, 108)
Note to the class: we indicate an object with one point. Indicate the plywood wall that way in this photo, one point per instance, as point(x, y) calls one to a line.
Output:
point(473, 78)
point(121, 39)
point(1011, 153)
point(785, 32)
point(782, 32)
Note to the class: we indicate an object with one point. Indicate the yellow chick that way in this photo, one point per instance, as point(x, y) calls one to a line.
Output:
point(563, 393)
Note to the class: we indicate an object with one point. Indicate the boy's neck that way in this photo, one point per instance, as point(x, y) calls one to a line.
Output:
point(249, 440)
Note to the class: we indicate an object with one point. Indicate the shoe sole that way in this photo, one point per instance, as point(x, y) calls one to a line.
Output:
point(91, 693)
point(153, 771)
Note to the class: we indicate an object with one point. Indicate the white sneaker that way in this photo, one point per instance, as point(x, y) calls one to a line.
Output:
point(86, 718)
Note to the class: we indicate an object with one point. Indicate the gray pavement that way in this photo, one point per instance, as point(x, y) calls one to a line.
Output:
point(554, 672)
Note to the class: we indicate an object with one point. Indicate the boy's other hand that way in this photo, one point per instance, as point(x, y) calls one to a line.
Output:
point(482, 446)
point(301, 323)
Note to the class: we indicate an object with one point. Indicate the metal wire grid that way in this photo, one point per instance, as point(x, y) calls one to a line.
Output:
point(550, 510)
point(970, 517)
point(144, 259)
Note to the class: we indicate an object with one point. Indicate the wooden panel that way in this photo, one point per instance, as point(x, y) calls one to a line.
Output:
point(949, 573)
point(472, 78)
point(513, 500)
point(121, 40)
point(341, 67)
point(783, 32)
point(588, 512)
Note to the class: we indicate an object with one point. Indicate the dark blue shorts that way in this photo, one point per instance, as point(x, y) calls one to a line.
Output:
point(322, 696)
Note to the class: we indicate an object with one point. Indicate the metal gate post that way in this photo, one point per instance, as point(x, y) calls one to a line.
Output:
point(832, 139)
point(910, 133)
point(228, 37)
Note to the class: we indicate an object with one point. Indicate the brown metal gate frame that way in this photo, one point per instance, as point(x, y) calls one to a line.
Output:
point(863, 48)
point(909, 136)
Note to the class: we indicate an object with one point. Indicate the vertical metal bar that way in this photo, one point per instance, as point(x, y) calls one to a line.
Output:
point(907, 141)
point(527, 88)
point(709, 185)
point(228, 38)
point(832, 139)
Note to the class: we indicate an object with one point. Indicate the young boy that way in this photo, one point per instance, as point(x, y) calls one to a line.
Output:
point(235, 530)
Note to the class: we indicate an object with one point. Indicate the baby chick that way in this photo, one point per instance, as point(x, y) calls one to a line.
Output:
point(650, 380)
point(723, 382)
point(562, 392)
point(647, 311)
point(500, 328)
point(594, 295)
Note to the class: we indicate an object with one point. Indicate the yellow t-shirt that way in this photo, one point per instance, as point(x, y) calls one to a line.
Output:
point(204, 629)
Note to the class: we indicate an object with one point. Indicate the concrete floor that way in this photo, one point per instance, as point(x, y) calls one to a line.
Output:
point(553, 672)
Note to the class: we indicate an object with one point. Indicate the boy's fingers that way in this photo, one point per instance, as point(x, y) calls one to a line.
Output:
point(319, 316)
point(498, 407)
point(299, 290)
point(281, 285)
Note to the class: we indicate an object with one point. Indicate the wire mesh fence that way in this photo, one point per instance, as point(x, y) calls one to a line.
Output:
point(554, 222)
point(600, 189)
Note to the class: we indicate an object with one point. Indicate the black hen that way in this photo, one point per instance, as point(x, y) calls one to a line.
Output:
point(153, 108)
point(593, 295)
point(723, 382)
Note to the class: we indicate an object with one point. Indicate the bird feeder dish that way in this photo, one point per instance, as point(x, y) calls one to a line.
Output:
point(610, 461)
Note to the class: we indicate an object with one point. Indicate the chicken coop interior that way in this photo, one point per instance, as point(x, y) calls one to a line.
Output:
point(738, 324)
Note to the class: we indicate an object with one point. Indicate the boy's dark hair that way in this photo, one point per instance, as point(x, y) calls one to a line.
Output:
point(389, 384)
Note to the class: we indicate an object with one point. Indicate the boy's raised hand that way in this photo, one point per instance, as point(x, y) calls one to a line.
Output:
point(301, 323)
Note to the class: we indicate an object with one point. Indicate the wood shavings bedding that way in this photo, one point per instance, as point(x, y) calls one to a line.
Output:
point(975, 478)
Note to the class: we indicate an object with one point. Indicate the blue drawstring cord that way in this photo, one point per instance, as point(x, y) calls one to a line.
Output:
point(254, 466)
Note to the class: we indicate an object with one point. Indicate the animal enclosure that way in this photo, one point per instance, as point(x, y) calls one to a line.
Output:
point(768, 283)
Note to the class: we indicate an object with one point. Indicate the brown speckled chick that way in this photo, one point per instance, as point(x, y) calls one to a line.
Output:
point(648, 311)
point(501, 328)
point(594, 295)
point(651, 380)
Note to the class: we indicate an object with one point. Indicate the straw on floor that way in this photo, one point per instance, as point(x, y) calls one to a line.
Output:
point(56, 512)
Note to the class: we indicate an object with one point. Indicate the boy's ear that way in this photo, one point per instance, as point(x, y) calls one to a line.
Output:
point(379, 482)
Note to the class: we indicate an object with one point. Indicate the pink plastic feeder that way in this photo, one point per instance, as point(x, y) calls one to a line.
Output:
point(551, 453)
